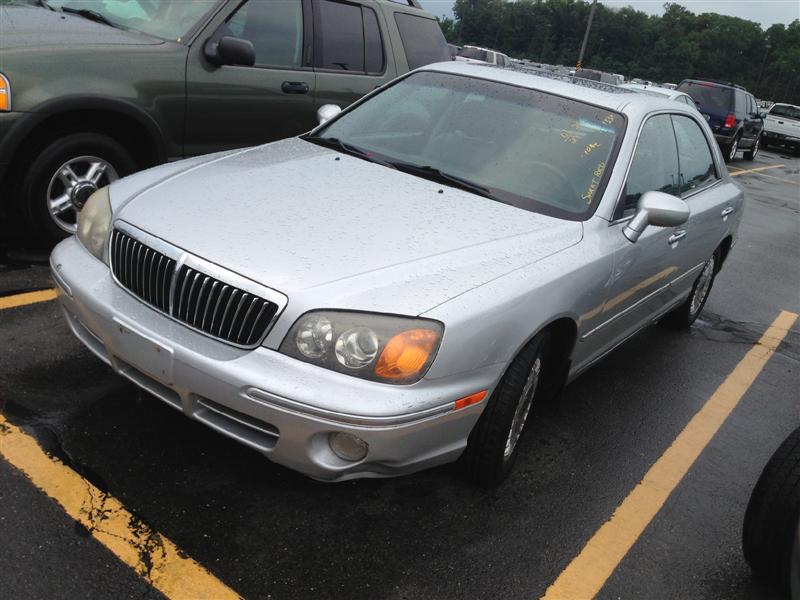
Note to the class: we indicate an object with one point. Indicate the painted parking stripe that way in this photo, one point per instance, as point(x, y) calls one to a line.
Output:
point(745, 171)
point(27, 298)
point(587, 573)
point(146, 551)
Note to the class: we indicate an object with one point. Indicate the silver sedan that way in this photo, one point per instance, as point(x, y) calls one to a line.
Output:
point(402, 286)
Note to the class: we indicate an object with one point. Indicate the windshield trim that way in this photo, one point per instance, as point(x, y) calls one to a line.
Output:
point(509, 197)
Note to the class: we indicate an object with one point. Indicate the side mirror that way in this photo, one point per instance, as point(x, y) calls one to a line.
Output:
point(230, 50)
point(659, 209)
point(762, 115)
point(326, 112)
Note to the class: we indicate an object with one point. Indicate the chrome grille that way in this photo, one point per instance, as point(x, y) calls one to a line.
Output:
point(201, 301)
point(219, 309)
point(142, 270)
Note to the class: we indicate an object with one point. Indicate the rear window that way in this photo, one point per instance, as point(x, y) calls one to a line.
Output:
point(785, 111)
point(423, 40)
point(708, 97)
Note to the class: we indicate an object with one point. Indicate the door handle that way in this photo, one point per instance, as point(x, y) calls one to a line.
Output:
point(294, 87)
point(726, 211)
point(678, 235)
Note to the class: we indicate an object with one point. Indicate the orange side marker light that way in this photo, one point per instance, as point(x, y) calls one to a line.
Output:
point(469, 400)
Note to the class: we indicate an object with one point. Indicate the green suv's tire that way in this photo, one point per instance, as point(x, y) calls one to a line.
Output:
point(45, 182)
point(490, 454)
point(771, 519)
point(753, 152)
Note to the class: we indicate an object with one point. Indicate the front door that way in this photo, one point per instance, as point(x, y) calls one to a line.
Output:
point(236, 106)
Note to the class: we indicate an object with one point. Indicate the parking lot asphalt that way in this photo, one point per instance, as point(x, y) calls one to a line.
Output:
point(267, 532)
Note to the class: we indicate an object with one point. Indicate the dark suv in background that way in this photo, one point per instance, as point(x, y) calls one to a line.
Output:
point(732, 113)
point(97, 90)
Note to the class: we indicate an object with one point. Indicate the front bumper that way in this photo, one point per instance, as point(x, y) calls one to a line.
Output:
point(280, 406)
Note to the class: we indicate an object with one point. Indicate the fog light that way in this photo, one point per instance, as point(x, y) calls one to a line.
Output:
point(347, 446)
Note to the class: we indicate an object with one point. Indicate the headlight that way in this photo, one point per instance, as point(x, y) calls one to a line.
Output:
point(5, 94)
point(372, 346)
point(94, 224)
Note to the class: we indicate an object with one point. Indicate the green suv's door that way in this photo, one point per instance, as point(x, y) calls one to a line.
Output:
point(236, 106)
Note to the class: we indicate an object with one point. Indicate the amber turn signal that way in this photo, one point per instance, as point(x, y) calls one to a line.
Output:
point(469, 400)
point(406, 354)
point(5, 94)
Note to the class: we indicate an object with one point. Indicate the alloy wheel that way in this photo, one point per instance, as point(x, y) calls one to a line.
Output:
point(734, 148)
point(72, 184)
point(702, 287)
point(523, 408)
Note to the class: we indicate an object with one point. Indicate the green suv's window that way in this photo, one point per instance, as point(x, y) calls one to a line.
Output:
point(166, 19)
point(275, 28)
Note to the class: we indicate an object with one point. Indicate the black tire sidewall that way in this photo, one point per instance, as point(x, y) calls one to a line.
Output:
point(56, 153)
point(484, 458)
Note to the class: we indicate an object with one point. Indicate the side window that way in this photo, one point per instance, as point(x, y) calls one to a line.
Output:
point(740, 104)
point(275, 28)
point(655, 164)
point(423, 40)
point(347, 38)
point(694, 156)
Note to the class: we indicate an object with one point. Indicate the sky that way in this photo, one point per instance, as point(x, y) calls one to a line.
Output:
point(766, 12)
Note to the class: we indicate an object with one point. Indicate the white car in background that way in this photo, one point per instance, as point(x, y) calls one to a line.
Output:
point(782, 126)
point(654, 90)
point(484, 55)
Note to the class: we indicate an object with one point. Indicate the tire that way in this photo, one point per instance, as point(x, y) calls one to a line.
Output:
point(729, 151)
point(753, 152)
point(684, 315)
point(45, 179)
point(771, 519)
point(494, 442)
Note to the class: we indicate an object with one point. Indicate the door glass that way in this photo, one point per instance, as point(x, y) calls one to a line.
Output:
point(339, 43)
point(372, 42)
point(741, 104)
point(655, 164)
point(275, 29)
point(423, 40)
point(694, 155)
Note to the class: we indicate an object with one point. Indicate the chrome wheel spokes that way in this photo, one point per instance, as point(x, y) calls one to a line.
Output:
point(72, 184)
point(703, 285)
point(523, 407)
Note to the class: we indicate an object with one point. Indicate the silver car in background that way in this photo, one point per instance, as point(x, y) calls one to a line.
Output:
point(398, 288)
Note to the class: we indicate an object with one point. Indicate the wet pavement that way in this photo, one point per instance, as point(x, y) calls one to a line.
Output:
point(268, 532)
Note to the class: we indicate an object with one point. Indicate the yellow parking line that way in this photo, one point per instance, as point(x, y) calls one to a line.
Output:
point(587, 573)
point(27, 298)
point(745, 171)
point(149, 553)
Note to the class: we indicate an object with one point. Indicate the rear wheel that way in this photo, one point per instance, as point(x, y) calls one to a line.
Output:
point(63, 176)
point(687, 313)
point(494, 443)
point(753, 152)
point(730, 150)
point(771, 520)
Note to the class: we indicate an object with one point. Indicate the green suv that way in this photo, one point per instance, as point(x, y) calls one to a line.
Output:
point(92, 90)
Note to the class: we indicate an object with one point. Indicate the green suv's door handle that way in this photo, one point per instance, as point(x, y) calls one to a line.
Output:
point(294, 87)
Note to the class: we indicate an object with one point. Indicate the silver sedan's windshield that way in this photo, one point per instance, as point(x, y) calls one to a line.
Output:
point(531, 149)
point(166, 19)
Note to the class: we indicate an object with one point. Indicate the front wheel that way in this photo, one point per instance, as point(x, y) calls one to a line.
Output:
point(494, 443)
point(686, 314)
point(63, 176)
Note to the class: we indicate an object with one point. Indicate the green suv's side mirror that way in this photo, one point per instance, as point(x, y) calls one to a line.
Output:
point(230, 50)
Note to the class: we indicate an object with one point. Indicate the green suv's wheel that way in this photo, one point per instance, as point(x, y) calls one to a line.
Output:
point(753, 152)
point(730, 151)
point(64, 175)
point(493, 444)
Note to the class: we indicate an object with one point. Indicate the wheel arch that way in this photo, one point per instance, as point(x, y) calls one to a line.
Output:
point(128, 124)
point(724, 250)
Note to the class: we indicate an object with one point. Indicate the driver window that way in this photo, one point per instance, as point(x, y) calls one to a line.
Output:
point(275, 29)
point(655, 164)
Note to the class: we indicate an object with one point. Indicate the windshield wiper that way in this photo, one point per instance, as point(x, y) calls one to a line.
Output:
point(435, 174)
point(336, 143)
point(90, 14)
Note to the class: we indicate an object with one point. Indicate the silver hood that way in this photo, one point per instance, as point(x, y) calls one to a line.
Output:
point(297, 217)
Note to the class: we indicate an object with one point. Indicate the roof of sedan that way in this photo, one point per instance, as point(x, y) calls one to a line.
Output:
point(605, 95)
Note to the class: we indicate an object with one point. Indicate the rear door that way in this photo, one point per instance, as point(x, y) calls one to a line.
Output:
point(351, 54)
point(236, 106)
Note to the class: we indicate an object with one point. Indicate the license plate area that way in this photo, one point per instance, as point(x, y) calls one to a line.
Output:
point(147, 355)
